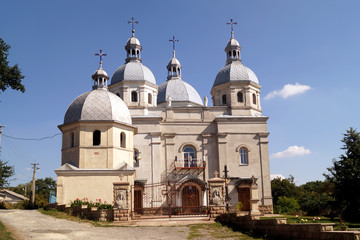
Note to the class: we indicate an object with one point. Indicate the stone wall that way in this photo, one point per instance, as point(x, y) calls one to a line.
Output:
point(266, 209)
point(281, 230)
point(121, 215)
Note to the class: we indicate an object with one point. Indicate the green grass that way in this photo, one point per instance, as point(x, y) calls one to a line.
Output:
point(4, 234)
point(63, 215)
point(293, 219)
point(216, 230)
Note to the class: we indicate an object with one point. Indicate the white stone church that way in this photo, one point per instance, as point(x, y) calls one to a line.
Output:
point(154, 137)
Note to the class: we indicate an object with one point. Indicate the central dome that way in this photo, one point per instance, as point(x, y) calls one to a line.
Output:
point(133, 71)
point(98, 105)
point(179, 91)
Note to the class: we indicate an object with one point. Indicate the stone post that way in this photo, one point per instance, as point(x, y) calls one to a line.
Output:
point(216, 195)
point(254, 198)
point(121, 201)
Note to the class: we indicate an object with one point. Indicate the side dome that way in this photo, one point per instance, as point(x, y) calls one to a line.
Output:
point(179, 91)
point(233, 72)
point(133, 71)
point(98, 105)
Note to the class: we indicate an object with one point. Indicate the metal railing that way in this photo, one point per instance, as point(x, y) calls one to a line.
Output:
point(189, 164)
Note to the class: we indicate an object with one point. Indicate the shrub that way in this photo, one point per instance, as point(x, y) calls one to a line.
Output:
point(287, 205)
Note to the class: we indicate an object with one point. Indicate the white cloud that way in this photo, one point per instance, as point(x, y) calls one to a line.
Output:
point(288, 90)
point(273, 176)
point(292, 151)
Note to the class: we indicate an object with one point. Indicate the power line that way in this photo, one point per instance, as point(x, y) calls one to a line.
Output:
point(31, 139)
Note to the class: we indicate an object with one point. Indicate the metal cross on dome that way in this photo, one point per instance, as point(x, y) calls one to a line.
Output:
point(133, 22)
point(232, 23)
point(173, 40)
point(100, 54)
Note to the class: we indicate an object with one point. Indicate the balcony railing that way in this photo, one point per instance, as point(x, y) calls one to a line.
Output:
point(190, 164)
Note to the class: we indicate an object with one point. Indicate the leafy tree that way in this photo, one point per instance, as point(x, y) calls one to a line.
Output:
point(345, 175)
point(317, 197)
point(284, 188)
point(287, 205)
point(9, 76)
point(6, 172)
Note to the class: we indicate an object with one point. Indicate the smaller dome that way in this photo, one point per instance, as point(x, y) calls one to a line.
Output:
point(133, 71)
point(232, 43)
point(133, 41)
point(235, 71)
point(100, 73)
point(174, 61)
point(179, 91)
point(98, 105)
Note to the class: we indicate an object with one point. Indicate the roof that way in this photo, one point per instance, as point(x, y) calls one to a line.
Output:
point(235, 71)
point(133, 70)
point(179, 91)
point(98, 105)
point(3, 191)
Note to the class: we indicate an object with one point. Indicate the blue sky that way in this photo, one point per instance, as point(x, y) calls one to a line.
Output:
point(305, 54)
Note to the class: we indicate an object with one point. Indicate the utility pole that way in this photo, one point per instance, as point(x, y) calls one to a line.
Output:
point(33, 184)
point(227, 198)
point(0, 134)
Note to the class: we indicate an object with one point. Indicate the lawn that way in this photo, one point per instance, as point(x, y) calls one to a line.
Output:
point(338, 224)
point(216, 231)
point(4, 234)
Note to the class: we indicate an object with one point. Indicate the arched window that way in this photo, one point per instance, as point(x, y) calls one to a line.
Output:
point(136, 159)
point(149, 98)
point(234, 53)
point(254, 98)
point(134, 96)
point(224, 99)
point(240, 97)
point(96, 138)
point(72, 139)
point(133, 53)
point(229, 53)
point(122, 140)
point(189, 157)
point(244, 156)
point(138, 53)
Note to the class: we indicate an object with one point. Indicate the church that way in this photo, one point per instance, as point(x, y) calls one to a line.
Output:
point(161, 144)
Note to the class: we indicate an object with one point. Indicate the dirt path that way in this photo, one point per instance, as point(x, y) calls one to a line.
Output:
point(30, 224)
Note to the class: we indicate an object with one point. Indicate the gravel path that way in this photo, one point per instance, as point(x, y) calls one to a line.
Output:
point(30, 224)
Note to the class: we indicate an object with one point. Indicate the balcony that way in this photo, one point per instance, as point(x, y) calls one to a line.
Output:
point(189, 164)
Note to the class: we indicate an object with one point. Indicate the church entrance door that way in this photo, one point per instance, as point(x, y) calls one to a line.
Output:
point(190, 200)
point(244, 197)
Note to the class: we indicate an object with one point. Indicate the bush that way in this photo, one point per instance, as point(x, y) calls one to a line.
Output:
point(287, 205)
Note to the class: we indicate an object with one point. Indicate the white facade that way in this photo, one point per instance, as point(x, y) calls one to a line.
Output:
point(178, 138)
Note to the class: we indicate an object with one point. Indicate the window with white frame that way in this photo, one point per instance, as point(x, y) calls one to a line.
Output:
point(244, 156)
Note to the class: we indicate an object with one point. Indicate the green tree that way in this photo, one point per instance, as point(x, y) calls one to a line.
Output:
point(9, 76)
point(317, 197)
point(345, 175)
point(284, 188)
point(42, 190)
point(287, 205)
point(6, 172)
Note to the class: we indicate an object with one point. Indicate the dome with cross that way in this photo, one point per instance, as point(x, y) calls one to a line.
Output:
point(133, 69)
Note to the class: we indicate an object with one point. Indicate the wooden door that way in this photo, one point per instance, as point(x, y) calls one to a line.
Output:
point(244, 197)
point(190, 199)
point(138, 201)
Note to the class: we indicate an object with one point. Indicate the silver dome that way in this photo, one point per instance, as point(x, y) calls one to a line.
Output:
point(232, 43)
point(179, 91)
point(235, 71)
point(98, 105)
point(133, 40)
point(133, 70)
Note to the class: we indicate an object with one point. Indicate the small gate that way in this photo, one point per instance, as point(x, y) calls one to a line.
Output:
point(162, 200)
